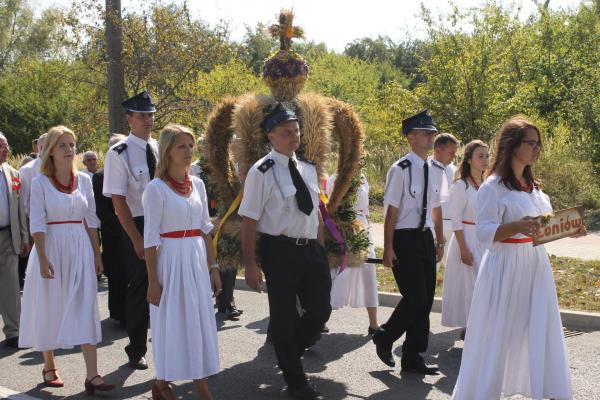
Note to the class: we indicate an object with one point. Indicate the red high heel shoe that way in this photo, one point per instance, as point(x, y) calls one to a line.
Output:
point(90, 388)
point(55, 381)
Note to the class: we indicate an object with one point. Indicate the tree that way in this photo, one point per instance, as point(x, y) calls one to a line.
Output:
point(114, 66)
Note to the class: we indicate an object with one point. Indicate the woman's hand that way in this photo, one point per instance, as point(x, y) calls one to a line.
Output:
point(46, 269)
point(215, 281)
point(154, 293)
point(466, 257)
point(527, 226)
point(98, 264)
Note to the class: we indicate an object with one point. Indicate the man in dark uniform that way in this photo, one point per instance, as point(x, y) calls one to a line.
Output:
point(112, 238)
point(128, 168)
point(412, 208)
point(281, 198)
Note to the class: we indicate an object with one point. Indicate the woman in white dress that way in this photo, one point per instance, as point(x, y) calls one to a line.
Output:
point(182, 272)
point(357, 286)
point(464, 251)
point(60, 308)
point(514, 342)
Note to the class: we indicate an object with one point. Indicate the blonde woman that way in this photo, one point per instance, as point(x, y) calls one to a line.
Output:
point(60, 308)
point(182, 272)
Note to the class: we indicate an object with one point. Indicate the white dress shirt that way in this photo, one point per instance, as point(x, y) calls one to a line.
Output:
point(269, 198)
point(27, 173)
point(446, 185)
point(404, 190)
point(127, 173)
point(4, 201)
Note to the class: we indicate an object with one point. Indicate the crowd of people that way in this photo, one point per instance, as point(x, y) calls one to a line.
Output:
point(145, 222)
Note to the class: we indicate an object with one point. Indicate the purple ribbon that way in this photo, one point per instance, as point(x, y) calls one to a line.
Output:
point(335, 232)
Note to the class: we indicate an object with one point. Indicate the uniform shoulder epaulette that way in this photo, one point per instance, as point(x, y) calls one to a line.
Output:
point(437, 164)
point(265, 165)
point(120, 148)
point(404, 163)
point(306, 161)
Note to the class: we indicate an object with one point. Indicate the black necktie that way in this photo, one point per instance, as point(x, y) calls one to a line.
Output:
point(302, 195)
point(150, 160)
point(424, 206)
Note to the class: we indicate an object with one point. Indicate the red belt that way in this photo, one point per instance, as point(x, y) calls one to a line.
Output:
point(63, 222)
point(468, 222)
point(181, 234)
point(519, 240)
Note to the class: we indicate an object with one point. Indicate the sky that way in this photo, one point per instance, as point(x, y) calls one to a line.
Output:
point(334, 22)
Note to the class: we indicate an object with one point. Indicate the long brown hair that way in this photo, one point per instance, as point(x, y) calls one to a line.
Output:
point(508, 138)
point(464, 169)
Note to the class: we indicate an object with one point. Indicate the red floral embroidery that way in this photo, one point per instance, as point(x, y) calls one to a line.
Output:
point(16, 184)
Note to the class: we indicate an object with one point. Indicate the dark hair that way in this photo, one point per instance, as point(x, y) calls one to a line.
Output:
point(508, 138)
point(34, 141)
point(464, 169)
point(443, 139)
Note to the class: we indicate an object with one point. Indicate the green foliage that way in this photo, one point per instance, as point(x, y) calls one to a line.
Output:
point(473, 70)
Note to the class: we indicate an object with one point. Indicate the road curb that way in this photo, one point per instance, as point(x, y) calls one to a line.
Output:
point(575, 320)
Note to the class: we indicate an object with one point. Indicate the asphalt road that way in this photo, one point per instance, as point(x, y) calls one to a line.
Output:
point(343, 365)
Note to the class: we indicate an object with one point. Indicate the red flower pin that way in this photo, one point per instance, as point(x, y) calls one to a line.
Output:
point(16, 184)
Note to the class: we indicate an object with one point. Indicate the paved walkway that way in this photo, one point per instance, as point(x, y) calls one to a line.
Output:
point(586, 247)
point(343, 364)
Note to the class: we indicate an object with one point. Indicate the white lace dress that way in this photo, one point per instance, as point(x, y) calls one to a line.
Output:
point(355, 286)
point(514, 342)
point(459, 278)
point(61, 312)
point(184, 330)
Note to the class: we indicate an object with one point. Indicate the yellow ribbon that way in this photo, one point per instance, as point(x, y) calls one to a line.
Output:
point(234, 205)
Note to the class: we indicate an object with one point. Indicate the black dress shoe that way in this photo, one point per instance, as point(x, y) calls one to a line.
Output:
point(305, 392)
point(417, 365)
point(383, 349)
point(232, 312)
point(12, 342)
point(141, 363)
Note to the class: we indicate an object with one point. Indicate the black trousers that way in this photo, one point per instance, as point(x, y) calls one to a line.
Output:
point(295, 271)
point(225, 298)
point(414, 272)
point(114, 258)
point(138, 315)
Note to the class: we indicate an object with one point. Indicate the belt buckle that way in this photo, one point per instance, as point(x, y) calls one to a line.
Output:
point(301, 241)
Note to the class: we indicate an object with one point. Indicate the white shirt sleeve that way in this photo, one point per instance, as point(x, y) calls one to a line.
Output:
point(206, 224)
point(37, 212)
point(436, 198)
point(458, 203)
point(394, 188)
point(489, 213)
point(25, 176)
point(91, 219)
point(115, 175)
point(253, 201)
point(153, 203)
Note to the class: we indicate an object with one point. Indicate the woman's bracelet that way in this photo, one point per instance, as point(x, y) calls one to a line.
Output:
point(214, 266)
point(440, 245)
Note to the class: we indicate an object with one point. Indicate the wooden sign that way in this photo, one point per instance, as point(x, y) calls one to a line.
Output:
point(561, 224)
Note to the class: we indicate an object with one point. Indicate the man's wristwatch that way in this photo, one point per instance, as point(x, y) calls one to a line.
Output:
point(214, 266)
point(440, 245)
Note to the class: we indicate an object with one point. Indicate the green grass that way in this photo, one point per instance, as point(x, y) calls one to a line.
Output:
point(577, 282)
point(375, 214)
